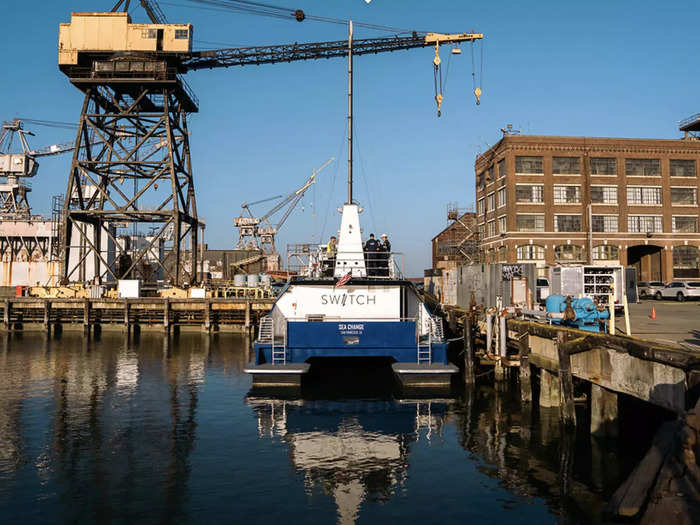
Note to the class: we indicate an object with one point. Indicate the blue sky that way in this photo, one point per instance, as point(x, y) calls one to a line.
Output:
point(596, 68)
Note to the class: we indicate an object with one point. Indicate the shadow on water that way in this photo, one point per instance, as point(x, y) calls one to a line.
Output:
point(117, 428)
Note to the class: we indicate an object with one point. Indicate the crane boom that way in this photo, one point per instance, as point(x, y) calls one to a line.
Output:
point(256, 55)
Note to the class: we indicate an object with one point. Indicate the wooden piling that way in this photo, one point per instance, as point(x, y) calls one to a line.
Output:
point(166, 316)
point(206, 327)
point(603, 412)
point(247, 315)
point(567, 407)
point(86, 316)
point(6, 314)
point(525, 379)
point(549, 389)
point(126, 316)
point(469, 376)
point(47, 315)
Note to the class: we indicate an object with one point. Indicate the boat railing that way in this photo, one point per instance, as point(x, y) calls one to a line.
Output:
point(378, 265)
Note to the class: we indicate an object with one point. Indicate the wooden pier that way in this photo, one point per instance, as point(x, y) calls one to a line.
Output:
point(555, 364)
point(230, 314)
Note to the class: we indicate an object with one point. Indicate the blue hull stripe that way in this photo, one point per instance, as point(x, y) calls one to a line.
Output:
point(396, 339)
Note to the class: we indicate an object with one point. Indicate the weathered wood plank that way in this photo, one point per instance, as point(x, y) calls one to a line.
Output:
point(629, 499)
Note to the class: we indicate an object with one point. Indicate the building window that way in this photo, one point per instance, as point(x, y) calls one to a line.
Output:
point(605, 252)
point(491, 202)
point(529, 223)
point(684, 196)
point(529, 193)
point(526, 165)
point(566, 165)
point(501, 169)
point(682, 168)
point(148, 33)
point(480, 206)
point(502, 227)
point(181, 34)
point(567, 194)
point(643, 167)
point(603, 166)
point(530, 252)
point(643, 195)
point(501, 197)
point(502, 254)
point(567, 223)
point(491, 228)
point(604, 223)
point(685, 224)
point(446, 248)
point(482, 180)
point(604, 194)
point(644, 223)
point(686, 258)
point(568, 252)
point(482, 229)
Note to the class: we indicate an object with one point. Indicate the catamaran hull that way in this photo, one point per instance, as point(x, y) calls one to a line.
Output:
point(395, 340)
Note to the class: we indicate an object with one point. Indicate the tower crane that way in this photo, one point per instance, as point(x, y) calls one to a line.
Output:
point(260, 231)
point(17, 163)
point(135, 94)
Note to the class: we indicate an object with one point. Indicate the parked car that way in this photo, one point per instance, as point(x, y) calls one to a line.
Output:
point(649, 288)
point(542, 290)
point(680, 290)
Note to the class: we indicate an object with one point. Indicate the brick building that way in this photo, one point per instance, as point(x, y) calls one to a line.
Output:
point(555, 200)
point(457, 244)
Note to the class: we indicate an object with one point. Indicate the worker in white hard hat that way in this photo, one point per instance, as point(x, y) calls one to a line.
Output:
point(385, 248)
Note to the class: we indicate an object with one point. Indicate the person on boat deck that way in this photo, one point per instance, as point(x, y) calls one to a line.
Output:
point(331, 251)
point(371, 253)
point(385, 248)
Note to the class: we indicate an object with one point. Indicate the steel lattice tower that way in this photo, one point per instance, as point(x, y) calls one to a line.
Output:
point(131, 165)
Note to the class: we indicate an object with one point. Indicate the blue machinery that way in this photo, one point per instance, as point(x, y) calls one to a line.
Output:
point(580, 313)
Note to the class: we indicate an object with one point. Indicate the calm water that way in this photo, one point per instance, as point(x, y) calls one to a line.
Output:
point(117, 431)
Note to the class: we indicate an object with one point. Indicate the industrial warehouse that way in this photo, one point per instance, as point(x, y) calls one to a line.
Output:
point(214, 281)
point(553, 200)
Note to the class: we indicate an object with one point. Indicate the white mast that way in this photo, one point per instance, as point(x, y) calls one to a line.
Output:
point(349, 112)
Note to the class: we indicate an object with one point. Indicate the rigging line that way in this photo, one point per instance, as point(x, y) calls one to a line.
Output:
point(49, 123)
point(335, 174)
point(473, 70)
point(229, 9)
point(363, 171)
point(286, 12)
point(481, 69)
point(447, 74)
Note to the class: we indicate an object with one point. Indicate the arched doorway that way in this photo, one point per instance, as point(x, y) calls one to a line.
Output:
point(647, 259)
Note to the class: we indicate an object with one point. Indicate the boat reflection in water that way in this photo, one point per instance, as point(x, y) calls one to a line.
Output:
point(352, 450)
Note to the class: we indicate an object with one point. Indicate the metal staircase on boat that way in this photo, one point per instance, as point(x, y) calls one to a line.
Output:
point(266, 334)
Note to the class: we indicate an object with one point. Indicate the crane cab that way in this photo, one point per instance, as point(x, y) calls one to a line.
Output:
point(107, 33)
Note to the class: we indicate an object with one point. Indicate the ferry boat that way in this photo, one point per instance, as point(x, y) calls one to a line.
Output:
point(342, 308)
point(352, 305)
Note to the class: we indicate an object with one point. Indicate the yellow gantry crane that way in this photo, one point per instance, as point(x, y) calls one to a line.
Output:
point(136, 97)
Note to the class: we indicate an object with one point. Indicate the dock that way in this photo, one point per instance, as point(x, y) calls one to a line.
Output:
point(558, 367)
point(211, 314)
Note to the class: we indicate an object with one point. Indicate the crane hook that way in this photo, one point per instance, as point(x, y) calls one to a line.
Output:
point(477, 92)
point(437, 73)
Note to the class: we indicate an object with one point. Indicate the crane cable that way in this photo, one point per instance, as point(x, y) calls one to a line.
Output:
point(477, 89)
point(263, 9)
